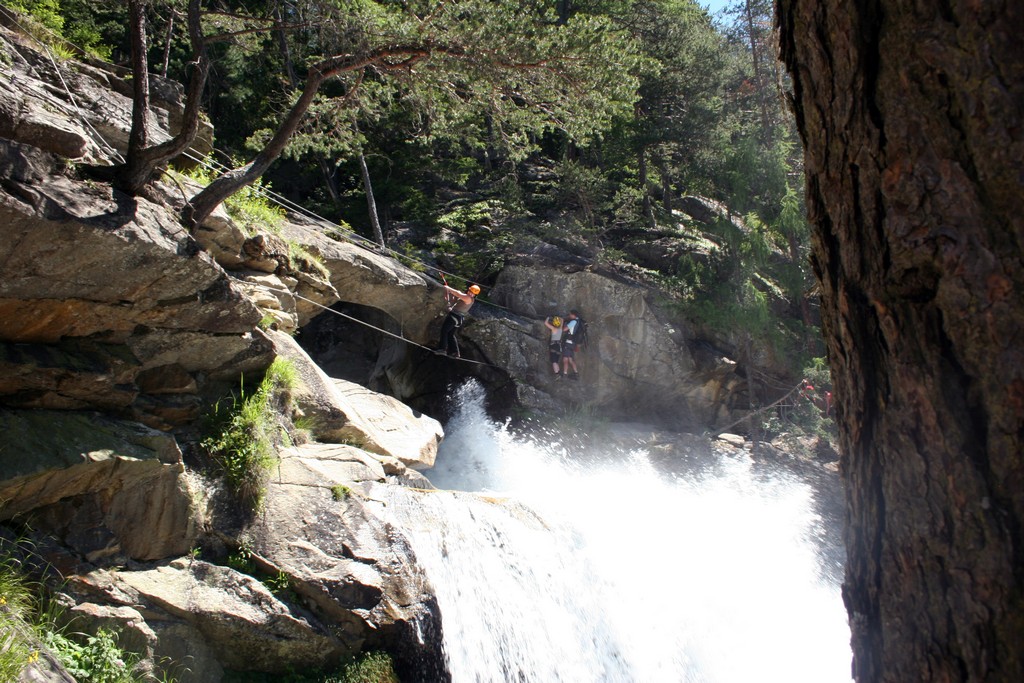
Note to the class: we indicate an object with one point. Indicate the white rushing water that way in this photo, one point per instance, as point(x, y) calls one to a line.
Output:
point(613, 571)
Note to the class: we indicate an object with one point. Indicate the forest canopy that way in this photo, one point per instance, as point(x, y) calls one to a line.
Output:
point(458, 130)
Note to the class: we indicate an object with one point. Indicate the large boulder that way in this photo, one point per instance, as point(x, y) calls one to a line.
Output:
point(190, 620)
point(364, 277)
point(238, 617)
point(638, 365)
point(98, 288)
point(83, 110)
point(107, 488)
point(343, 556)
point(345, 412)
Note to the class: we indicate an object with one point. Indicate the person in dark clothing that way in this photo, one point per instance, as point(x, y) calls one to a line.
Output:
point(569, 345)
point(461, 303)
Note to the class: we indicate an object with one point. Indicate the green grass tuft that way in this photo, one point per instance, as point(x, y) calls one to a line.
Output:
point(28, 625)
point(243, 435)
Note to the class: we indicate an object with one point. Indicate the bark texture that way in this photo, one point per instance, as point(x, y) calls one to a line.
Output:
point(911, 114)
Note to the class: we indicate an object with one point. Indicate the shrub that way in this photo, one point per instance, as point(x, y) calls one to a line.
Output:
point(366, 667)
point(16, 608)
point(96, 659)
point(243, 435)
point(28, 624)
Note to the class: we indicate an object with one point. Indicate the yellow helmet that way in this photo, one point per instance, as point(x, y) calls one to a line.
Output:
point(556, 321)
point(474, 289)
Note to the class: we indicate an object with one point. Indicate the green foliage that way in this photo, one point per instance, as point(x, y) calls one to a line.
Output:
point(249, 207)
point(411, 257)
point(370, 667)
point(302, 259)
point(279, 583)
point(241, 560)
point(95, 26)
point(46, 12)
point(416, 205)
point(366, 667)
point(66, 24)
point(94, 658)
point(340, 492)
point(266, 322)
point(583, 189)
point(612, 255)
point(468, 219)
point(244, 433)
point(807, 415)
point(17, 606)
point(28, 622)
point(818, 372)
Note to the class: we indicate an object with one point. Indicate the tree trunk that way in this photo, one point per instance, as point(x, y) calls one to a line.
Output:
point(204, 202)
point(754, 418)
point(759, 80)
point(564, 11)
point(282, 47)
point(371, 203)
point(330, 180)
point(138, 139)
point(645, 191)
point(143, 160)
point(666, 186)
point(168, 35)
point(912, 116)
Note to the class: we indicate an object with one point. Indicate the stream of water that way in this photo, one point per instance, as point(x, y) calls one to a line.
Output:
point(550, 569)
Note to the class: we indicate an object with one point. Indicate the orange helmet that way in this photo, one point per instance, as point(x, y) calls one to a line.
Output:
point(474, 289)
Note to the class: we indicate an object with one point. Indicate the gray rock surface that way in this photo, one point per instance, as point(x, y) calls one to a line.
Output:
point(345, 412)
point(107, 488)
point(79, 110)
point(345, 559)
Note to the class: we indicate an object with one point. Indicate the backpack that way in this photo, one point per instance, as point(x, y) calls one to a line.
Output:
point(579, 334)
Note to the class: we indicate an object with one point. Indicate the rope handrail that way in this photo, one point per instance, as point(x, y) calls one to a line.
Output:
point(749, 415)
point(348, 235)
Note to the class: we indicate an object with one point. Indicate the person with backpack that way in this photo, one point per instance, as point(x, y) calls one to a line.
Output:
point(571, 338)
point(555, 345)
point(460, 303)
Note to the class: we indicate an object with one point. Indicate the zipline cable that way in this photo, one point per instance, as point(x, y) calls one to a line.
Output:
point(759, 410)
point(392, 334)
point(349, 235)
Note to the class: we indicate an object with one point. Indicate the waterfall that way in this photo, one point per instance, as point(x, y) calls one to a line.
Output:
point(550, 569)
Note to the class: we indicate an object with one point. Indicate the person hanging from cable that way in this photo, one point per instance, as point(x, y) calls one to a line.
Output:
point(459, 304)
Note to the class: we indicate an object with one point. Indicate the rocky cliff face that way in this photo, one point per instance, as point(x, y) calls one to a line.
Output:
point(639, 364)
point(117, 327)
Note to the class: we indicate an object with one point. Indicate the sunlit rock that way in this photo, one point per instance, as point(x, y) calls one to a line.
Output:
point(107, 488)
point(355, 570)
